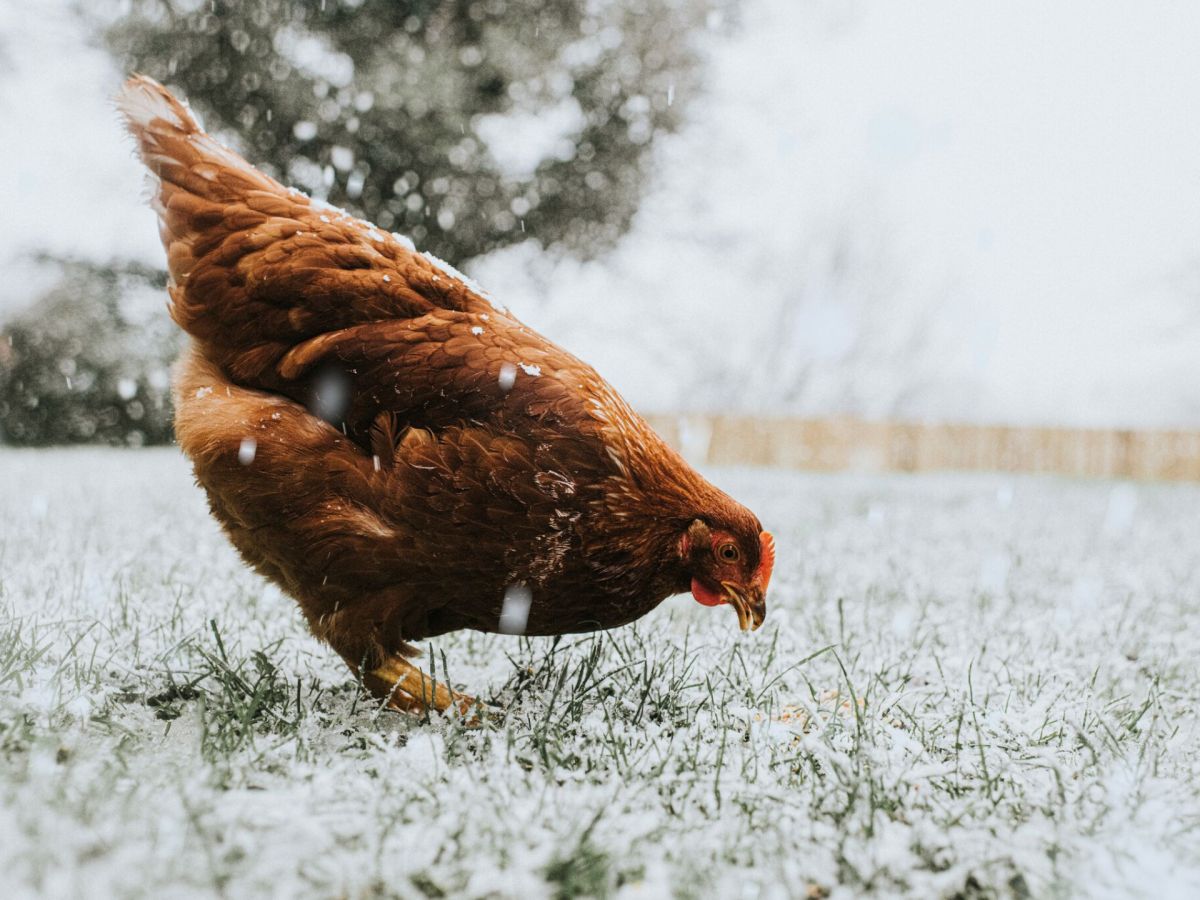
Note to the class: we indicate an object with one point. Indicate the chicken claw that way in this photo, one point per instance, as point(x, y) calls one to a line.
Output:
point(408, 689)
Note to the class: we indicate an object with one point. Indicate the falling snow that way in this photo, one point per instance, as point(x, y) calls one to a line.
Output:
point(515, 612)
point(332, 396)
point(127, 388)
point(247, 450)
point(970, 686)
point(508, 376)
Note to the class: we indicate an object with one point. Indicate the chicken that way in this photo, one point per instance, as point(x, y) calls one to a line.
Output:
point(400, 456)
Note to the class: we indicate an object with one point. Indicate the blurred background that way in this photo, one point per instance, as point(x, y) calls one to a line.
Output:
point(830, 211)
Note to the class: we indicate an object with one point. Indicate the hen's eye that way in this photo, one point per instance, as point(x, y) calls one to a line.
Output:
point(729, 552)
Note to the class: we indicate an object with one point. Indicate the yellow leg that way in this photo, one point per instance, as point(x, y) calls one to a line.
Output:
point(408, 689)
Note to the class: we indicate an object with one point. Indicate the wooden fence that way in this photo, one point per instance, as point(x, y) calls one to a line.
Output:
point(855, 445)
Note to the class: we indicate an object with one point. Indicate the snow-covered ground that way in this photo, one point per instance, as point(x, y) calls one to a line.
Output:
point(966, 686)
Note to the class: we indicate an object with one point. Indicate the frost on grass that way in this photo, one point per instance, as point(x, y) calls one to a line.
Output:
point(965, 687)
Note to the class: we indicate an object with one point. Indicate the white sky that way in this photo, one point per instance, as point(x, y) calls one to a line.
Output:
point(1031, 168)
point(1047, 155)
point(1025, 175)
point(68, 179)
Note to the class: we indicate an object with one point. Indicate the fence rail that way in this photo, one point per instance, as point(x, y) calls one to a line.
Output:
point(851, 444)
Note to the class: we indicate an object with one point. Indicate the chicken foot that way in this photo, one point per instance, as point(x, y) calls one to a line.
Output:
point(408, 689)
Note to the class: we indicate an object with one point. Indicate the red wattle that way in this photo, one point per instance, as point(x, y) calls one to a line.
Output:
point(705, 595)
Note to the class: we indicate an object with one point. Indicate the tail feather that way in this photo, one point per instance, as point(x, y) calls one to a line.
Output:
point(144, 102)
point(256, 268)
point(175, 147)
point(194, 175)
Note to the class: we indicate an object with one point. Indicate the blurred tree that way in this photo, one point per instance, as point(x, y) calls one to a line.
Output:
point(88, 362)
point(386, 107)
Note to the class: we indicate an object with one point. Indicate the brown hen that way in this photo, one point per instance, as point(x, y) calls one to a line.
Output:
point(396, 453)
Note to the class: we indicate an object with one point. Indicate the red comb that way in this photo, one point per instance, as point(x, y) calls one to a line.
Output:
point(763, 576)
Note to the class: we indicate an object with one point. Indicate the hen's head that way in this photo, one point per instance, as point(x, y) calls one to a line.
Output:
point(729, 560)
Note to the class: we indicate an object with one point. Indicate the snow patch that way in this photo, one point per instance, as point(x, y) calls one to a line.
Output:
point(454, 273)
point(405, 241)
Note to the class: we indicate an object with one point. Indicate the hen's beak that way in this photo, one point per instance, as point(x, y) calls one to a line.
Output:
point(749, 602)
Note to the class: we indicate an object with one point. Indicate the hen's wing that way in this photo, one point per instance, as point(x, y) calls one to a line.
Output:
point(450, 368)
